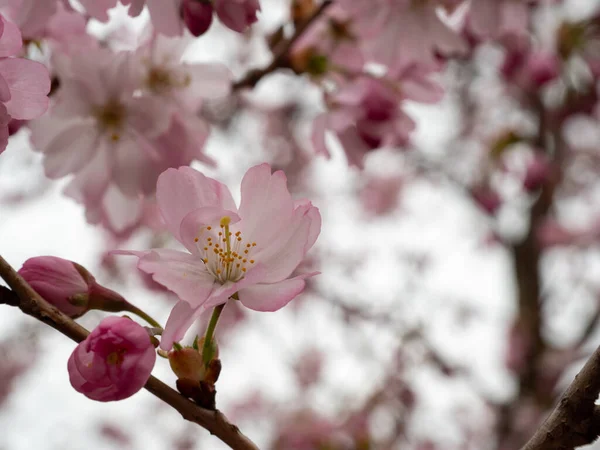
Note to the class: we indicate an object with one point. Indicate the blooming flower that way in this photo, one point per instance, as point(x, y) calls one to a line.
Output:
point(414, 23)
point(24, 84)
point(250, 251)
point(114, 361)
point(66, 285)
point(100, 131)
point(366, 114)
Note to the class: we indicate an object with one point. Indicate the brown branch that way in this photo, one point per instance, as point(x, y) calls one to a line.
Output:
point(28, 301)
point(280, 53)
point(575, 420)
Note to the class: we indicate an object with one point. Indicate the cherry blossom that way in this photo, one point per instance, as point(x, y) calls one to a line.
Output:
point(366, 114)
point(24, 84)
point(114, 362)
point(415, 23)
point(250, 251)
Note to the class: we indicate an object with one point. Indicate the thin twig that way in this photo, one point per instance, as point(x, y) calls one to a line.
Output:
point(280, 53)
point(575, 421)
point(29, 301)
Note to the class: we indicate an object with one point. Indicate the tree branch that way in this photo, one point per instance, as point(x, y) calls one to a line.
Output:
point(27, 300)
point(280, 53)
point(575, 420)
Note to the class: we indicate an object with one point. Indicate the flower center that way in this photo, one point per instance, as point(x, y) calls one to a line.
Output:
point(161, 80)
point(116, 357)
point(226, 255)
point(110, 117)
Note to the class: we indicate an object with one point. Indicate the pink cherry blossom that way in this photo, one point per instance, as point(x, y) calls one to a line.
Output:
point(251, 250)
point(237, 15)
point(99, 130)
point(24, 84)
point(499, 18)
point(182, 85)
point(332, 36)
point(415, 24)
point(114, 361)
point(366, 114)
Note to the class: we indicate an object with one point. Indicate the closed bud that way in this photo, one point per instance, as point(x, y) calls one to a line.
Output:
point(237, 15)
point(197, 16)
point(69, 286)
point(188, 363)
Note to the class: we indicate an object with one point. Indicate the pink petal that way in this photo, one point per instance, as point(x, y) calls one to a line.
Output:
point(29, 84)
point(133, 168)
point(318, 135)
point(271, 297)
point(180, 320)
point(70, 150)
point(121, 211)
point(180, 272)
point(10, 40)
point(98, 8)
point(181, 191)
point(266, 207)
point(90, 183)
point(4, 90)
point(165, 17)
point(287, 249)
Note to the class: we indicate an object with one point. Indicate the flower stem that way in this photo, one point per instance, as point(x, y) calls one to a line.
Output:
point(138, 312)
point(208, 347)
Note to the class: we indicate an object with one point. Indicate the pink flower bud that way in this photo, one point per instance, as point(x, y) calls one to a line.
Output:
point(114, 361)
point(197, 16)
point(538, 172)
point(187, 364)
point(542, 68)
point(237, 15)
point(487, 198)
point(69, 286)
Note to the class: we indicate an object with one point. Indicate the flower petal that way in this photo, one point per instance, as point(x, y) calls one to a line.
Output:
point(266, 207)
point(180, 272)
point(29, 84)
point(181, 191)
point(10, 40)
point(271, 297)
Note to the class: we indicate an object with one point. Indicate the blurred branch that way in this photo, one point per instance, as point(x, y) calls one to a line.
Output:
point(280, 52)
point(576, 419)
point(28, 301)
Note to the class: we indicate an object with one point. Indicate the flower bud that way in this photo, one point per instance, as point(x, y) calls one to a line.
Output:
point(68, 286)
point(237, 15)
point(197, 16)
point(188, 362)
point(114, 361)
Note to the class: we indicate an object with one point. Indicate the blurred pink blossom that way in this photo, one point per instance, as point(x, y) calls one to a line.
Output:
point(237, 15)
point(366, 114)
point(332, 36)
point(114, 361)
point(24, 84)
point(31, 16)
point(380, 194)
point(251, 250)
point(499, 18)
point(417, 25)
